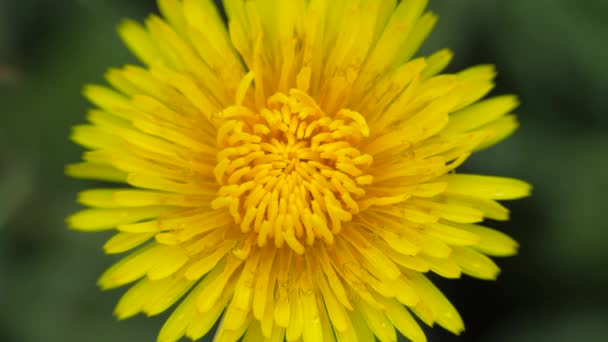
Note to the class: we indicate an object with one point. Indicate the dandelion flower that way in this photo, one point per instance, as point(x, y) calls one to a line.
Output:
point(290, 175)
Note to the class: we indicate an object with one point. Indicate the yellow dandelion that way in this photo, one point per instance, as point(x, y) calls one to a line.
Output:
point(290, 174)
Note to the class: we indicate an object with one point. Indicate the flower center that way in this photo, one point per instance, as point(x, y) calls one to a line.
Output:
point(291, 173)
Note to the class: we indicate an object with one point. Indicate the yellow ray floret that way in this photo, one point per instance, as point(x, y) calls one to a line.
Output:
point(288, 175)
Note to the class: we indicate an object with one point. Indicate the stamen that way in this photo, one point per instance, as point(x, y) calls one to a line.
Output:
point(291, 173)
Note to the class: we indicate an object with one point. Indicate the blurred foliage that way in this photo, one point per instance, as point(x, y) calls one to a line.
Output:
point(550, 52)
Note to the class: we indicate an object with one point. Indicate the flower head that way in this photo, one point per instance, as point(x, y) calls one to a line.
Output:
point(291, 174)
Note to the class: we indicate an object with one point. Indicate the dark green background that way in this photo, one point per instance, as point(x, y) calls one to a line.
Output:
point(553, 53)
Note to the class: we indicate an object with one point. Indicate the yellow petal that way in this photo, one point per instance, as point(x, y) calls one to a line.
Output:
point(492, 242)
point(445, 267)
point(428, 245)
point(349, 334)
point(138, 40)
point(450, 211)
point(103, 219)
point(264, 281)
point(378, 323)
point(203, 322)
point(94, 138)
point(206, 263)
point(414, 263)
point(498, 130)
point(364, 334)
point(336, 311)
point(123, 242)
point(240, 305)
point(100, 198)
point(403, 292)
point(420, 32)
point(500, 188)
point(103, 172)
point(313, 330)
point(395, 36)
point(325, 323)
point(436, 62)
point(476, 82)
point(172, 11)
point(254, 333)
point(117, 80)
point(444, 312)
point(335, 283)
point(168, 291)
point(474, 263)
point(145, 83)
point(186, 319)
point(383, 266)
point(424, 313)
point(403, 321)
point(129, 268)
point(169, 259)
point(108, 99)
point(205, 19)
point(481, 113)
point(215, 283)
point(226, 335)
point(451, 235)
point(490, 208)
point(132, 302)
point(115, 198)
point(296, 322)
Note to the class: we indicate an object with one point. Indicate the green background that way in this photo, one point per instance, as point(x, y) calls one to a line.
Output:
point(553, 53)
